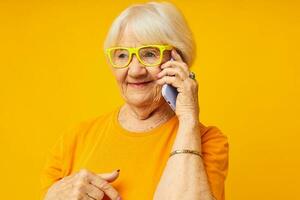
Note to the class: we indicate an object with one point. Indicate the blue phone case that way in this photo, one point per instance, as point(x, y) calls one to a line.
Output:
point(170, 94)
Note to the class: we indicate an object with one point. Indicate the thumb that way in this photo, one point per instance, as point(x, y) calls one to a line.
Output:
point(110, 177)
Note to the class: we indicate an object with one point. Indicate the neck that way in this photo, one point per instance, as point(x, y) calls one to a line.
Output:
point(144, 118)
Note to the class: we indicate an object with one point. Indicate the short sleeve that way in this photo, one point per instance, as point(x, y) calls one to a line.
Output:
point(59, 158)
point(52, 170)
point(215, 154)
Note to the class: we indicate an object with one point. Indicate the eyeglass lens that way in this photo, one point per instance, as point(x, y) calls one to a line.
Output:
point(148, 55)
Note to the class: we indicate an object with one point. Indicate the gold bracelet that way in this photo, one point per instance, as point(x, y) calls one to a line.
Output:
point(186, 151)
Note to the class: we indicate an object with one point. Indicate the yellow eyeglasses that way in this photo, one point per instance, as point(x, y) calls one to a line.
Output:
point(148, 55)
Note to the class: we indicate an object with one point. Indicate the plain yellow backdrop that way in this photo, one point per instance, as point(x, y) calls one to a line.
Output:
point(53, 75)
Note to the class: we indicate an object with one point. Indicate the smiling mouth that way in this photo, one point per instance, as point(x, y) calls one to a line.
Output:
point(139, 85)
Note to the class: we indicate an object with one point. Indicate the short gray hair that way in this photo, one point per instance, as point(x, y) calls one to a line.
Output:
point(155, 23)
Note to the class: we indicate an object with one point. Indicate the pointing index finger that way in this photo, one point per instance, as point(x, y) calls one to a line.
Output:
point(104, 185)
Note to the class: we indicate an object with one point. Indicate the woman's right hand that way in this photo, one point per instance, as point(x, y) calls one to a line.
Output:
point(84, 185)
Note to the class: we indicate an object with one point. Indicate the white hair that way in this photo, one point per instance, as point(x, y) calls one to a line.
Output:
point(155, 23)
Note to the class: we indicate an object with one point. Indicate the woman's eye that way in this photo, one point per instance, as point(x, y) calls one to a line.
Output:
point(149, 54)
point(122, 55)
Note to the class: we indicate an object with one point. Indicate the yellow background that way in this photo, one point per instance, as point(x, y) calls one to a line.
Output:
point(53, 74)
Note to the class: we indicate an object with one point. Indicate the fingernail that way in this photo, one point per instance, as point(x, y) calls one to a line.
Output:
point(118, 170)
point(119, 198)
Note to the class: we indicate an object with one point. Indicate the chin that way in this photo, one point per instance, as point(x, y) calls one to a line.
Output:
point(140, 98)
point(138, 102)
point(143, 100)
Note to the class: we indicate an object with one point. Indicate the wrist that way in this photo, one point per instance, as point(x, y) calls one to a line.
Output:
point(188, 136)
point(188, 121)
point(188, 114)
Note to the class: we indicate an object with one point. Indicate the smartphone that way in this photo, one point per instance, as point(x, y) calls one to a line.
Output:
point(170, 94)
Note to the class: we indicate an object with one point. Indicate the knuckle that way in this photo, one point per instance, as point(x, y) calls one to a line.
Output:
point(115, 196)
point(104, 185)
point(76, 194)
point(79, 184)
point(83, 173)
point(81, 189)
point(167, 71)
point(178, 71)
point(185, 65)
point(99, 195)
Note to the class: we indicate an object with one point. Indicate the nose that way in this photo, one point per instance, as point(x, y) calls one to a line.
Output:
point(135, 68)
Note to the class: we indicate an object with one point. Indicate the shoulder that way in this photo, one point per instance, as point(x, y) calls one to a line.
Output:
point(215, 157)
point(215, 144)
point(209, 132)
point(84, 128)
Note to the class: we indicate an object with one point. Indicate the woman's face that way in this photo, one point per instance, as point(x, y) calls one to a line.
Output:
point(137, 82)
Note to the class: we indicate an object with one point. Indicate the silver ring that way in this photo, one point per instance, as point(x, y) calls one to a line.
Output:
point(192, 75)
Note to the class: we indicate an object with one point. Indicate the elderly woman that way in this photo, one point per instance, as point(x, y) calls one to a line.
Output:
point(143, 149)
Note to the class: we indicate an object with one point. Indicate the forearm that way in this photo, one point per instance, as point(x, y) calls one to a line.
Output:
point(184, 176)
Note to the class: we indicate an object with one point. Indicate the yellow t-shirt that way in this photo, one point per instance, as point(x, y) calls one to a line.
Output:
point(102, 145)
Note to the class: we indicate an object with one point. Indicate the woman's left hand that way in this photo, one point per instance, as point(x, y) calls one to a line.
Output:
point(176, 73)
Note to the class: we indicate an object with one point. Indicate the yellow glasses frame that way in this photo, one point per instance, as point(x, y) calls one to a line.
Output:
point(135, 50)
